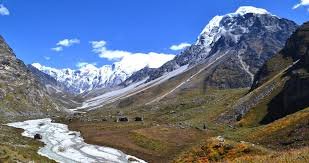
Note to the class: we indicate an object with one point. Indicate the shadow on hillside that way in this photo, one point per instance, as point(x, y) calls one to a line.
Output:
point(293, 97)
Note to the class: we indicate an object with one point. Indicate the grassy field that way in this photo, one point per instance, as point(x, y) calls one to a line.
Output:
point(290, 156)
point(217, 149)
point(181, 128)
point(158, 143)
point(169, 127)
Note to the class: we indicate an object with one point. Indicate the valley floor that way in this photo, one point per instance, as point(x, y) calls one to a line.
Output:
point(180, 129)
point(185, 129)
point(158, 143)
point(172, 143)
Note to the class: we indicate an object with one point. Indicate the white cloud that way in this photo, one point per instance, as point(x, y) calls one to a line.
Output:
point(68, 42)
point(47, 58)
point(140, 60)
point(302, 3)
point(65, 43)
point(179, 46)
point(57, 49)
point(97, 44)
point(131, 61)
point(99, 47)
point(4, 10)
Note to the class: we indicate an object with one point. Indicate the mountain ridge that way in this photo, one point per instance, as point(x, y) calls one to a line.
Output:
point(89, 77)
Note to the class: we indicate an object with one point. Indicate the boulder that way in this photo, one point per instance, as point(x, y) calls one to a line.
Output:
point(123, 119)
point(37, 136)
point(139, 118)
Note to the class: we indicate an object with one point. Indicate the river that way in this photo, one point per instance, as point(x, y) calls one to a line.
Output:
point(65, 146)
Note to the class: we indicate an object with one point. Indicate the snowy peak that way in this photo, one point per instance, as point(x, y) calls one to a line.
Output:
point(214, 29)
point(209, 31)
point(250, 9)
point(37, 65)
point(88, 68)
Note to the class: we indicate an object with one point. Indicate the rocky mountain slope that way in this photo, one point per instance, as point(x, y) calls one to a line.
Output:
point(295, 91)
point(281, 86)
point(49, 82)
point(251, 35)
point(20, 93)
point(59, 91)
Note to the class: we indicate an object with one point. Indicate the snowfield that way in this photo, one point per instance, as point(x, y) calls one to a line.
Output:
point(66, 146)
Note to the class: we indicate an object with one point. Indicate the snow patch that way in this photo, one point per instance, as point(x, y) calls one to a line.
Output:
point(245, 66)
point(250, 9)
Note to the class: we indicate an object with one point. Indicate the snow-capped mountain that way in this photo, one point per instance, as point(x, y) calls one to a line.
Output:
point(247, 38)
point(215, 28)
point(227, 54)
point(90, 77)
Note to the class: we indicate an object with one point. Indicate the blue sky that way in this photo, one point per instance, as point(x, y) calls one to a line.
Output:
point(34, 27)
